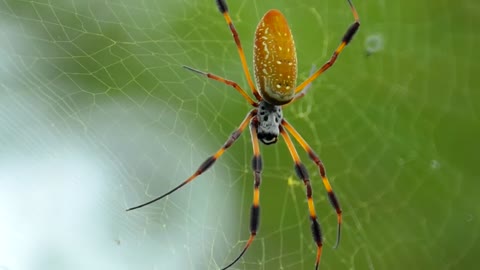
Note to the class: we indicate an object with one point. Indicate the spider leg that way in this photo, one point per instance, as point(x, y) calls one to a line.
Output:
point(305, 89)
point(223, 8)
point(257, 170)
point(225, 81)
point(346, 39)
point(302, 173)
point(314, 157)
point(209, 161)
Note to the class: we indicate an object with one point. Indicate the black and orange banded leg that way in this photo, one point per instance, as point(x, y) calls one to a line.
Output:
point(223, 8)
point(225, 81)
point(313, 156)
point(257, 170)
point(302, 173)
point(209, 161)
point(305, 90)
point(345, 40)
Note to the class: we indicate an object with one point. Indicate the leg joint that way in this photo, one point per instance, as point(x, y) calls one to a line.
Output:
point(257, 164)
point(222, 6)
point(254, 219)
point(316, 232)
point(301, 171)
point(351, 32)
point(206, 164)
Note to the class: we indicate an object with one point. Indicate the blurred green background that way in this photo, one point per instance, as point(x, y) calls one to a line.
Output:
point(97, 115)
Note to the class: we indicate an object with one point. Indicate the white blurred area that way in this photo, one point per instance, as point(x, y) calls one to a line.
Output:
point(65, 183)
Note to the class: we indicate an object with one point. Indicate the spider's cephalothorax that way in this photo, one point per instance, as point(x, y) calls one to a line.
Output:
point(269, 118)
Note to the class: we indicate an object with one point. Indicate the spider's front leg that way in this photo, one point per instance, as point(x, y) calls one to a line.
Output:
point(347, 37)
point(223, 8)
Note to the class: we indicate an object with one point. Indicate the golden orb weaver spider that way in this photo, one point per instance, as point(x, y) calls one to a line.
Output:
point(275, 70)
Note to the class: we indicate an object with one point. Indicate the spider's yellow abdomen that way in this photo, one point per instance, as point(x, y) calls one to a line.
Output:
point(275, 59)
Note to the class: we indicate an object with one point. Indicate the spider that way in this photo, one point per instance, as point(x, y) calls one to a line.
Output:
point(275, 70)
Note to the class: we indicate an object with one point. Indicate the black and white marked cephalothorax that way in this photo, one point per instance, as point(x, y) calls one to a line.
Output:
point(269, 118)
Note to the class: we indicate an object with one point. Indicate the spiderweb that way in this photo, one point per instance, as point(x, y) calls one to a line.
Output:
point(97, 115)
